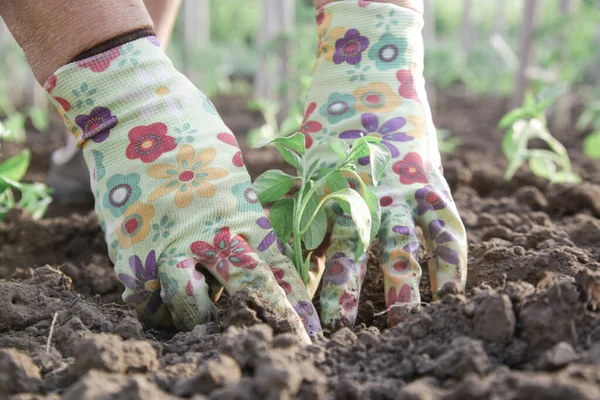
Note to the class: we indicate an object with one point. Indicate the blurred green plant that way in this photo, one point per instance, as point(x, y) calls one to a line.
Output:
point(527, 123)
point(590, 118)
point(446, 142)
point(271, 129)
point(34, 197)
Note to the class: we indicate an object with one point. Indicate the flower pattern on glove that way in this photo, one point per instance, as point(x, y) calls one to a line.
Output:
point(376, 97)
point(143, 282)
point(225, 251)
point(410, 169)
point(97, 124)
point(308, 126)
point(388, 132)
point(122, 191)
point(190, 176)
point(350, 48)
point(149, 142)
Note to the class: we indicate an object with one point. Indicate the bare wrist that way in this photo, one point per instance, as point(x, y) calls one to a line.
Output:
point(51, 36)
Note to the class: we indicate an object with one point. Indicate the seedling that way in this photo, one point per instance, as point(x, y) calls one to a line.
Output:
point(591, 118)
point(271, 129)
point(35, 197)
point(529, 122)
point(446, 142)
point(300, 222)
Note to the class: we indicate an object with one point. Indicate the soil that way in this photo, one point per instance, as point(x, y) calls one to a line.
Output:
point(527, 328)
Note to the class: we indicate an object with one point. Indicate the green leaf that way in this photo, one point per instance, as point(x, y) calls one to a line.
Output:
point(312, 169)
point(294, 142)
point(4, 133)
point(542, 166)
point(290, 157)
point(566, 177)
point(516, 161)
point(282, 218)
point(15, 123)
point(509, 145)
point(272, 185)
point(549, 94)
point(360, 149)
point(15, 167)
point(289, 252)
point(591, 145)
point(380, 158)
point(306, 267)
point(35, 198)
point(39, 118)
point(512, 117)
point(529, 102)
point(317, 229)
point(291, 124)
point(372, 139)
point(339, 148)
point(372, 202)
point(337, 182)
point(357, 208)
point(264, 134)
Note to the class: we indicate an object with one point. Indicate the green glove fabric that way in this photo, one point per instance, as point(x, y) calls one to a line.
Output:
point(172, 192)
point(368, 80)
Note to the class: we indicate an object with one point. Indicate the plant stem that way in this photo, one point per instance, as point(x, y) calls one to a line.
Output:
point(298, 261)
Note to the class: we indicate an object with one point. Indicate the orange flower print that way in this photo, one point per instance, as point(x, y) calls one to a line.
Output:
point(190, 176)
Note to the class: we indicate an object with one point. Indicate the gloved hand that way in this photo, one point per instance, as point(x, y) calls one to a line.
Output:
point(171, 189)
point(368, 80)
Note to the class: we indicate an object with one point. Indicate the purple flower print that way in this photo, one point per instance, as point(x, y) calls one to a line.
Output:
point(388, 132)
point(428, 199)
point(413, 246)
point(310, 319)
point(339, 269)
point(271, 237)
point(97, 125)
point(144, 282)
point(349, 48)
point(154, 40)
point(442, 239)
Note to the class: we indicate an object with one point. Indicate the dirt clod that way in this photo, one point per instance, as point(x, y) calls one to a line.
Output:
point(526, 327)
point(110, 353)
point(249, 307)
point(99, 385)
point(212, 375)
point(494, 318)
point(17, 373)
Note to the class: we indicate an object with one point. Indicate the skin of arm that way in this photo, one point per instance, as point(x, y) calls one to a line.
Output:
point(51, 37)
point(163, 14)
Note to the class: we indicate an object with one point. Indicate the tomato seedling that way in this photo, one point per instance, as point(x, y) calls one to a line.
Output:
point(527, 123)
point(300, 222)
point(35, 197)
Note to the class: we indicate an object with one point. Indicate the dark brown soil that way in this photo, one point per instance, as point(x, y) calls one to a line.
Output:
point(528, 327)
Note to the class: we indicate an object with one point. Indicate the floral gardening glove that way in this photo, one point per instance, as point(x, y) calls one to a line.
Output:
point(172, 192)
point(368, 80)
